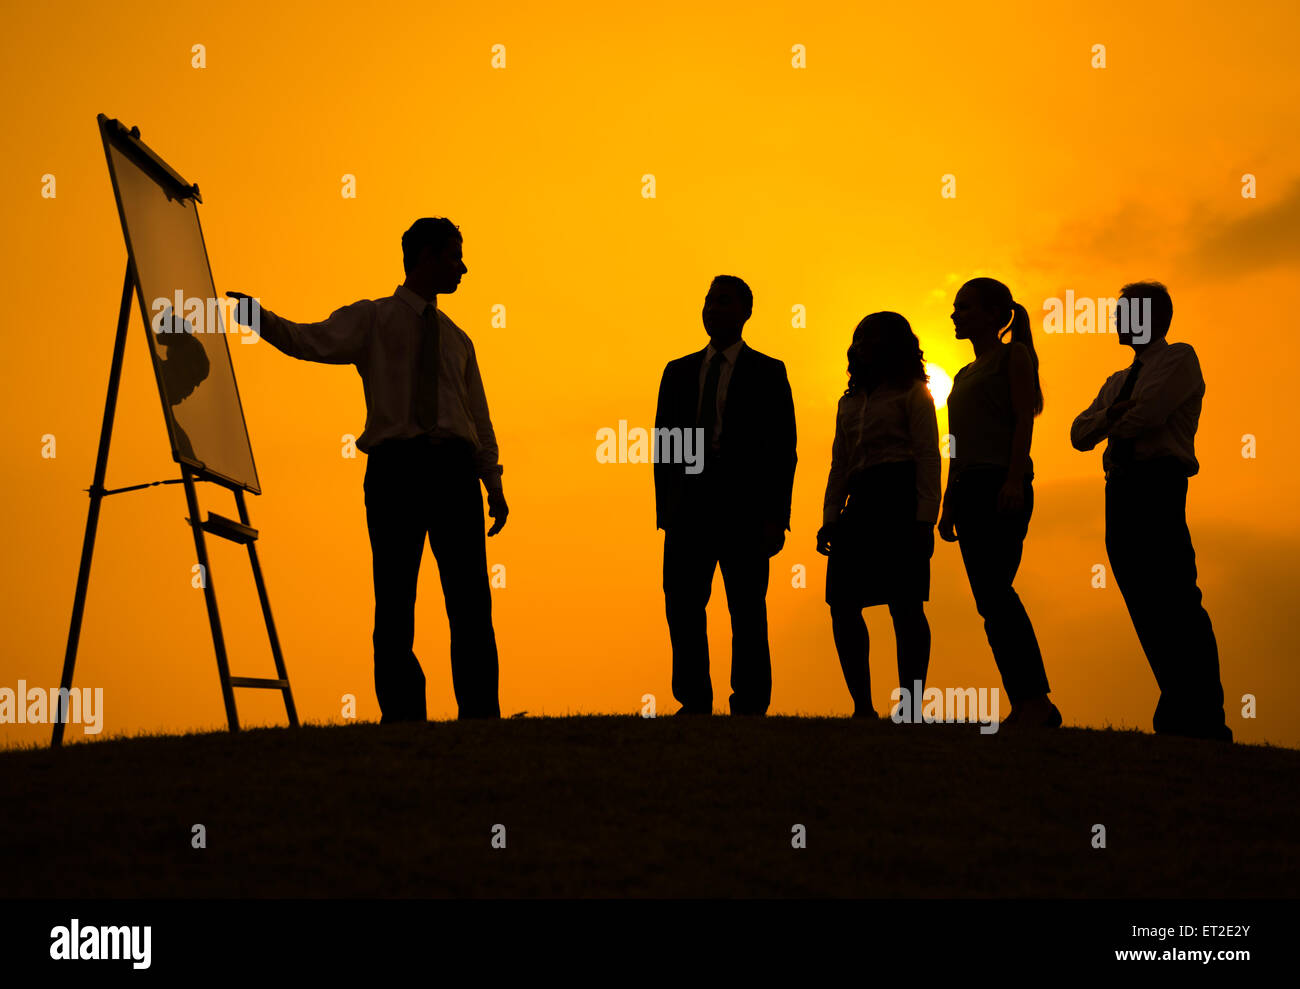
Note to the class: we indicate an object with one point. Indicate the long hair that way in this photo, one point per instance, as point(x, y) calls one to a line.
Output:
point(896, 356)
point(996, 297)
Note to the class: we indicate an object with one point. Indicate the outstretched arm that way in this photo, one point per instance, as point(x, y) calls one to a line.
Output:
point(340, 339)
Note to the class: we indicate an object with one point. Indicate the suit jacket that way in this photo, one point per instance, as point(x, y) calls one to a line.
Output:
point(757, 440)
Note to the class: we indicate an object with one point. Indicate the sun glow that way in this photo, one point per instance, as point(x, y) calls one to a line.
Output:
point(940, 384)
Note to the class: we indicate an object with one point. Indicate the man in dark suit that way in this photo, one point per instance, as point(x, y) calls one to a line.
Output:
point(1148, 414)
point(730, 510)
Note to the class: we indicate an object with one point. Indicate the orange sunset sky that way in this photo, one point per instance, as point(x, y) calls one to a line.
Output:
point(820, 186)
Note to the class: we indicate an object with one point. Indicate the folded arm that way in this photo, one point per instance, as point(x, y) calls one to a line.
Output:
point(1166, 386)
point(1092, 424)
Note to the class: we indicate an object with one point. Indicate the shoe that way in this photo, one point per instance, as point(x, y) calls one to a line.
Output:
point(1037, 712)
point(1054, 719)
point(1219, 733)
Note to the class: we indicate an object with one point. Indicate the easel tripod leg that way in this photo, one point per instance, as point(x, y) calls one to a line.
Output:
point(210, 597)
point(266, 613)
point(96, 496)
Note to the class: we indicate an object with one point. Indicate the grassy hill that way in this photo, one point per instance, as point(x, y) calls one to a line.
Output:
point(621, 806)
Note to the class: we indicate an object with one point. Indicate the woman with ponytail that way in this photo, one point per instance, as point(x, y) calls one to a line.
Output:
point(990, 497)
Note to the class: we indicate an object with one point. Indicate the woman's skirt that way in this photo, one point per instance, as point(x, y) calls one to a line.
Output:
point(876, 554)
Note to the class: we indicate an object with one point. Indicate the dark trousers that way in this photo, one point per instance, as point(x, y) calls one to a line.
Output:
point(991, 545)
point(417, 489)
point(1154, 564)
point(693, 550)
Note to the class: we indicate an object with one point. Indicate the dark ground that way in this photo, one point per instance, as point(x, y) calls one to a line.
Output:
point(621, 806)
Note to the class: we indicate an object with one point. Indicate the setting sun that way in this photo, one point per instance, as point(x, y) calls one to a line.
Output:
point(940, 384)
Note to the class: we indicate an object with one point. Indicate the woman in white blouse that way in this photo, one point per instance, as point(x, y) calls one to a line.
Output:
point(885, 464)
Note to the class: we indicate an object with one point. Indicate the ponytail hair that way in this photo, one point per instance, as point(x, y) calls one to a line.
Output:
point(1021, 331)
point(996, 297)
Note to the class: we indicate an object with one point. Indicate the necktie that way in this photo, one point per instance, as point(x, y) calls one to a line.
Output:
point(426, 395)
point(708, 417)
point(1123, 450)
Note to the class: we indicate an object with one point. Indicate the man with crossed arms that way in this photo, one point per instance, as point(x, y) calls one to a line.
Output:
point(1148, 413)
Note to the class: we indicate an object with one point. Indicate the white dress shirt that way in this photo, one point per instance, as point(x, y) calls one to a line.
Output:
point(724, 378)
point(891, 424)
point(382, 338)
point(1167, 396)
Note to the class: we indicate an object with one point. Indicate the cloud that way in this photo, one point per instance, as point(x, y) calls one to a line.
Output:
point(1267, 236)
point(1137, 240)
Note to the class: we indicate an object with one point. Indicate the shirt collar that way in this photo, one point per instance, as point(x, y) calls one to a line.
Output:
point(728, 355)
point(1154, 349)
point(412, 299)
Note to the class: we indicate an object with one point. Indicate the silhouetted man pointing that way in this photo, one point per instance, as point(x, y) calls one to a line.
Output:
point(731, 511)
point(429, 442)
